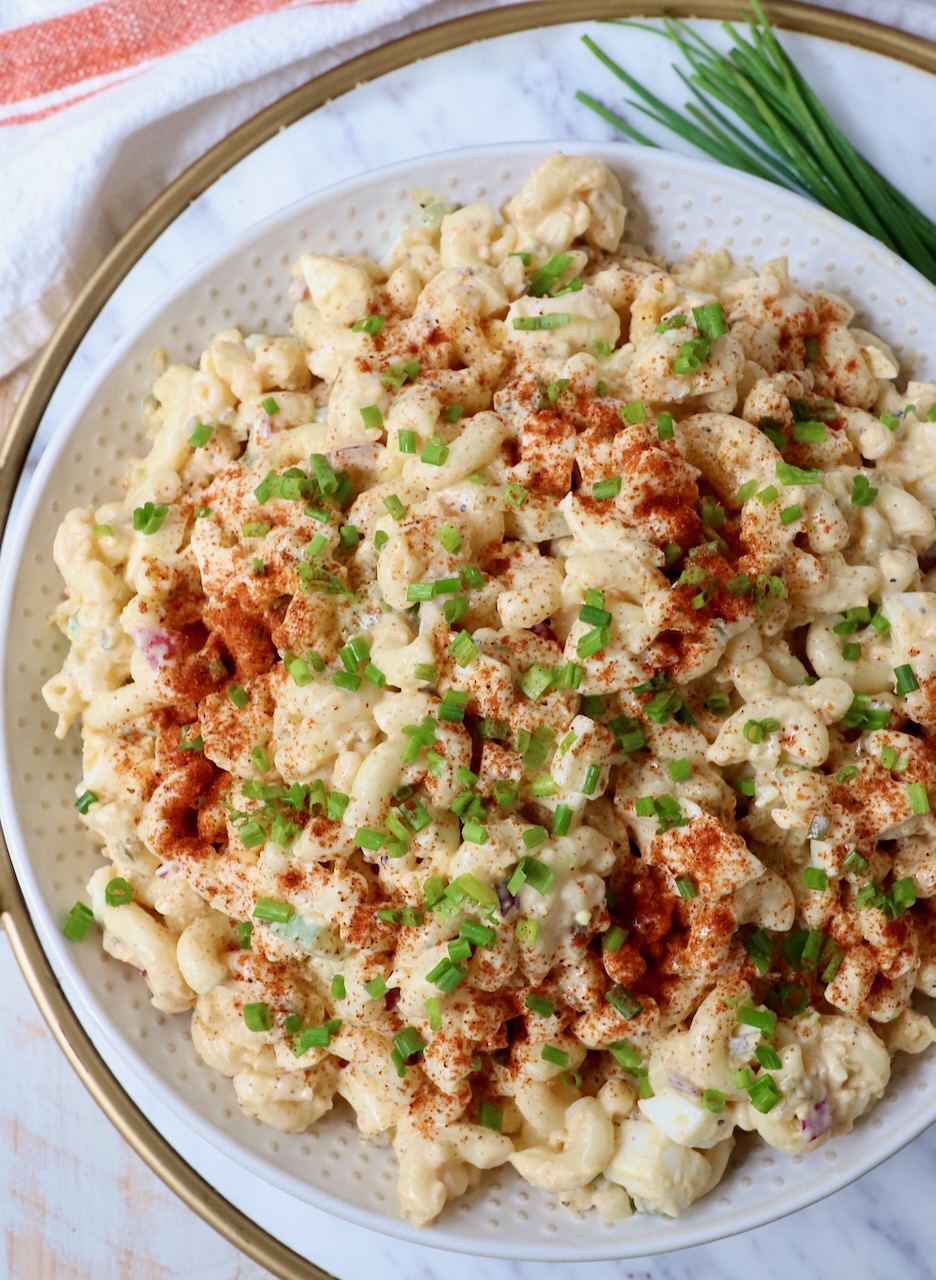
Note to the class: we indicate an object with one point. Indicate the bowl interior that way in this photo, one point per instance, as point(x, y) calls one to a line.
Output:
point(676, 205)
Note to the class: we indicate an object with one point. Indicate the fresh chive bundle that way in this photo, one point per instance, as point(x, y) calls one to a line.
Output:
point(795, 142)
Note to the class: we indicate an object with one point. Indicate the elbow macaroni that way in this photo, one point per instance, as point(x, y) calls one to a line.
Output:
point(506, 705)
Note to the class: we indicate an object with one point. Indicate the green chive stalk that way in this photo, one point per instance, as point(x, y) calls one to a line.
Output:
point(789, 138)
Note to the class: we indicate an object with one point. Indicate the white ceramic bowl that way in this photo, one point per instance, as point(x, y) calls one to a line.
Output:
point(676, 205)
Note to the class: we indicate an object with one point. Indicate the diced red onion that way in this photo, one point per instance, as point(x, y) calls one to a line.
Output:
point(506, 900)
point(818, 1121)
point(158, 645)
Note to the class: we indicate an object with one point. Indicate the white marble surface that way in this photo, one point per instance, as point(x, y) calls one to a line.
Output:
point(74, 1202)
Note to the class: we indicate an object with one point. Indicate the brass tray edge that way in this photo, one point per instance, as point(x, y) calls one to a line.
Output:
point(64, 1024)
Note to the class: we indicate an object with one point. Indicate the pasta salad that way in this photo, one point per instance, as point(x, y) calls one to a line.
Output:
point(506, 705)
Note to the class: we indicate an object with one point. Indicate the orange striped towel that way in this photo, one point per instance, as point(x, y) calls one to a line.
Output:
point(102, 104)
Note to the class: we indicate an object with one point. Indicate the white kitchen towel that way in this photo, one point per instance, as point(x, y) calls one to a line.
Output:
point(103, 103)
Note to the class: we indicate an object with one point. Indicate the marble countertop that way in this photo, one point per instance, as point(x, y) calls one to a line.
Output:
point(75, 1201)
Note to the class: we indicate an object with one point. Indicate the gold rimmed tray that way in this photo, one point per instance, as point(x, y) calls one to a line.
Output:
point(59, 1014)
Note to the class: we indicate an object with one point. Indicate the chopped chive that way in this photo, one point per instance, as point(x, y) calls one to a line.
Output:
point(558, 1057)
point(554, 320)
point(790, 514)
point(562, 819)
point(863, 494)
point(450, 538)
point(710, 320)
point(434, 1013)
point(764, 1094)
point(810, 432)
point(490, 1116)
point(789, 475)
point(118, 892)
point(686, 889)
point(919, 800)
point(532, 872)
point(85, 801)
point(374, 676)
point(533, 837)
point(102, 531)
point(536, 681)
point(365, 838)
point(593, 642)
point(614, 938)
point(148, 519)
point(680, 770)
point(455, 609)
point(678, 321)
point(515, 494)
point(239, 696)
point(664, 426)
point(855, 862)
point(906, 681)
point(622, 1000)
point(395, 506)
point(376, 988)
point(712, 513)
point(372, 417)
point(257, 1016)
point(545, 280)
point(369, 324)
point(527, 931)
point(539, 1005)
point(464, 649)
point(815, 878)
point(590, 782)
point(625, 1054)
point(609, 488)
point(768, 1057)
point(271, 909)
point(200, 436)
point(435, 452)
point(80, 920)
point(765, 1020)
point(479, 935)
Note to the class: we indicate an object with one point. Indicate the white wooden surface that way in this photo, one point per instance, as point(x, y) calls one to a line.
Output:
point(75, 1201)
